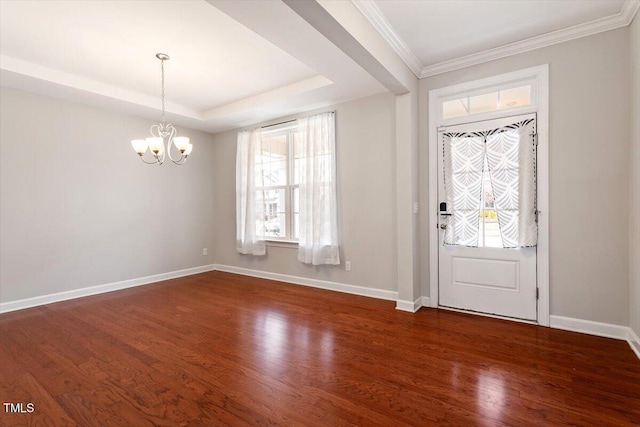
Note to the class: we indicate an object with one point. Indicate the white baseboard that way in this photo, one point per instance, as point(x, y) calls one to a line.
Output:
point(409, 306)
point(426, 302)
point(100, 289)
point(314, 283)
point(600, 329)
point(634, 342)
point(589, 327)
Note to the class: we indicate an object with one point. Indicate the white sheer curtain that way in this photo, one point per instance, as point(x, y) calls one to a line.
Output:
point(318, 241)
point(249, 206)
point(510, 155)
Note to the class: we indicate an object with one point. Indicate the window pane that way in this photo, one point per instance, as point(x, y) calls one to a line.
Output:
point(274, 216)
point(455, 108)
point(275, 146)
point(277, 173)
point(483, 103)
point(273, 162)
point(516, 97)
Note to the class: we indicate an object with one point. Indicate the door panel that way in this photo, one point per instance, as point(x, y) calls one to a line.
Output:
point(489, 280)
point(492, 280)
point(485, 272)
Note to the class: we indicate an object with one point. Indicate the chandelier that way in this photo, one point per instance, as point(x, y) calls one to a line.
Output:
point(163, 133)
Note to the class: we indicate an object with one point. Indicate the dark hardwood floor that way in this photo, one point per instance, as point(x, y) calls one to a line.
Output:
point(222, 349)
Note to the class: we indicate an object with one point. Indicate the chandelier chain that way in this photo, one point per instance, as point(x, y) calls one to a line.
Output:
point(162, 73)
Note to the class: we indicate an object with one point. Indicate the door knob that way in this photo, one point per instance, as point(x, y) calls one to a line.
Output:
point(443, 226)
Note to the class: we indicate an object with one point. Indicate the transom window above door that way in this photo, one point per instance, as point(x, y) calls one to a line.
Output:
point(512, 96)
point(503, 99)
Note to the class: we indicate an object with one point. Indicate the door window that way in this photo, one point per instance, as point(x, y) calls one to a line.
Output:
point(489, 183)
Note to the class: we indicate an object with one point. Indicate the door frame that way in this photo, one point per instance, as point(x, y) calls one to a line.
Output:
point(539, 77)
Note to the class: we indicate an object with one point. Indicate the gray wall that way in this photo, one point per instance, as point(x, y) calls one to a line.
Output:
point(78, 208)
point(589, 170)
point(365, 137)
point(634, 212)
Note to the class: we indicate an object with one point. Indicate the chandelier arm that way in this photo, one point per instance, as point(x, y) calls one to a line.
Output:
point(157, 132)
point(149, 163)
point(172, 133)
point(164, 155)
point(180, 162)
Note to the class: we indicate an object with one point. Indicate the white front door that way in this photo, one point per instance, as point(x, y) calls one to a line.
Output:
point(487, 217)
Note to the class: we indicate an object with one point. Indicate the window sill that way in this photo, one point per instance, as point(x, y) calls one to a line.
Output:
point(289, 244)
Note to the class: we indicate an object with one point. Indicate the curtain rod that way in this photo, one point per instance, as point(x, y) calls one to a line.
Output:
point(288, 121)
point(277, 124)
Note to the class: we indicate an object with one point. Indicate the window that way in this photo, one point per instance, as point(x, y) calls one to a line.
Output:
point(485, 102)
point(277, 184)
point(286, 189)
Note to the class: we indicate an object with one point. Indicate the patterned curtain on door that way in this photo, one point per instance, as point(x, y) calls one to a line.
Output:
point(511, 158)
point(463, 164)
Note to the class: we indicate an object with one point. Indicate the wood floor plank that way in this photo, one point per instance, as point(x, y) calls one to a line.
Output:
point(222, 349)
point(46, 410)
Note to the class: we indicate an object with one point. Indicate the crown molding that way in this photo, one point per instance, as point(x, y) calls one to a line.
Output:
point(375, 17)
point(621, 19)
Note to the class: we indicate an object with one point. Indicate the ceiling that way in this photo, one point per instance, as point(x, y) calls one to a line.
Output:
point(235, 63)
point(438, 31)
point(115, 43)
point(221, 74)
point(438, 36)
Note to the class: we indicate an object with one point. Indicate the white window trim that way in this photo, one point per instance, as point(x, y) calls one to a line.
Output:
point(539, 78)
point(287, 244)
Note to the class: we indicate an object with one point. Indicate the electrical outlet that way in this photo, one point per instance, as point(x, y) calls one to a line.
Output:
point(205, 251)
point(347, 265)
point(416, 207)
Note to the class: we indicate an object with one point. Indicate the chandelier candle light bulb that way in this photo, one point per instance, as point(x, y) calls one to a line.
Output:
point(161, 133)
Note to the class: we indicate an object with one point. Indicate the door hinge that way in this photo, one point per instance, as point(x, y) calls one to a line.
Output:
point(537, 293)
